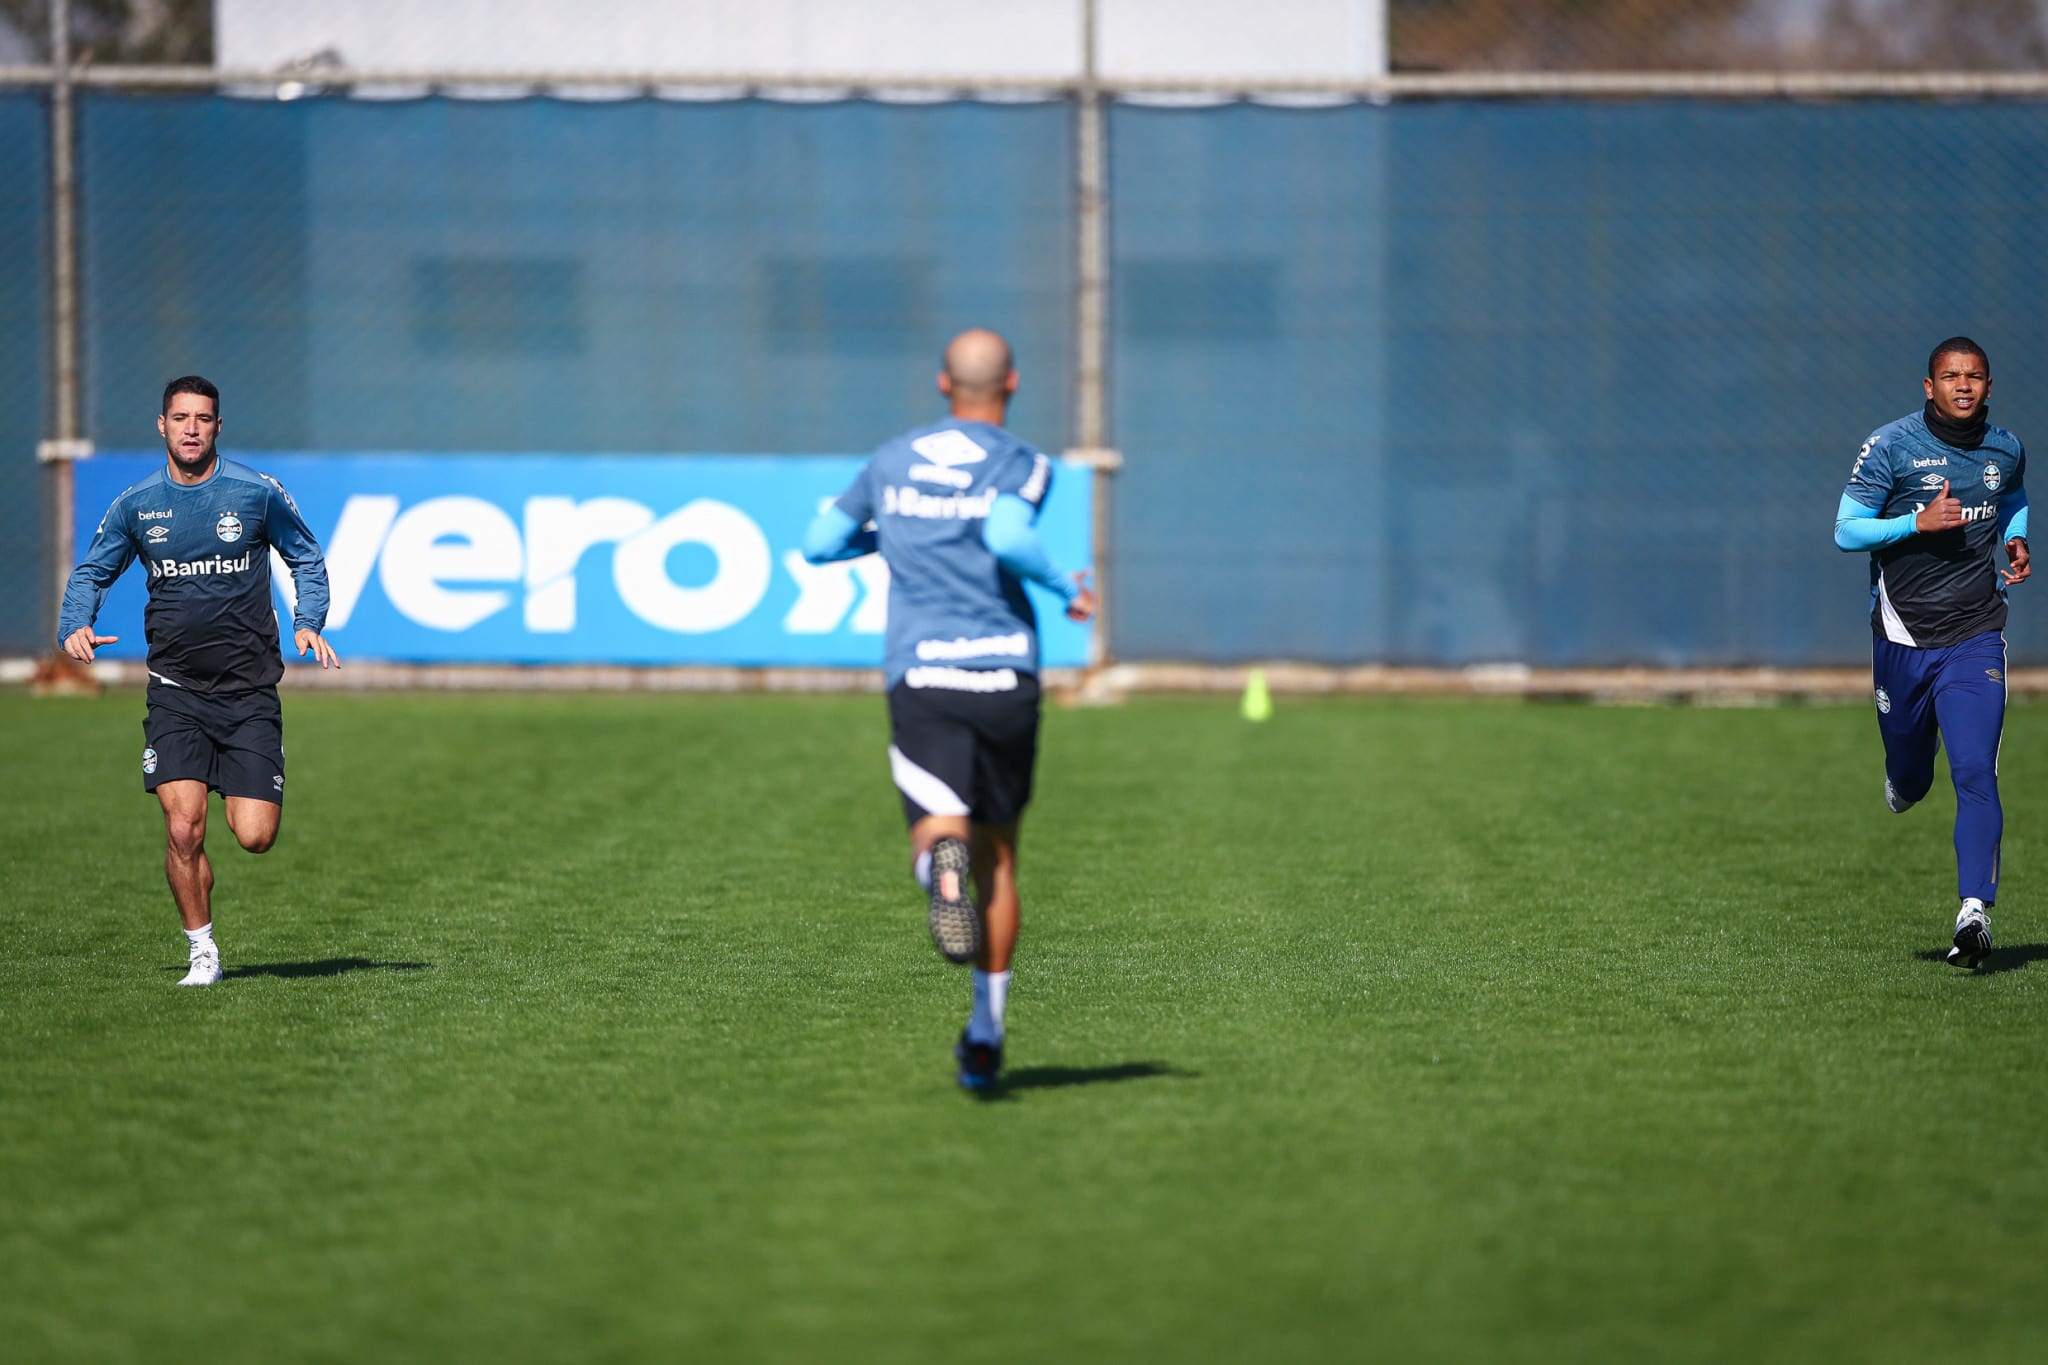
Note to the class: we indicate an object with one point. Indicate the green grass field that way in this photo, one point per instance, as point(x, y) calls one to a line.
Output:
point(606, 1028)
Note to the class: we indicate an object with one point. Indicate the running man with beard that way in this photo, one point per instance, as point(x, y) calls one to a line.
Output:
point(951, 508)
point(204, 527)
point(1932, 498)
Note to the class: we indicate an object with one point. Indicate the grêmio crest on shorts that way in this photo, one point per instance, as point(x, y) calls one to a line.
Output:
point(1930, 591)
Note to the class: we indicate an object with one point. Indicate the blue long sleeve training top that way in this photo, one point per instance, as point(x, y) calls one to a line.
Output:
point(951, 507)
point(1932, 589)
point(210, 621)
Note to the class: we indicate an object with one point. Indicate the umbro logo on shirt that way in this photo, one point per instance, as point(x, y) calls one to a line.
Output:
point(949, 448)
point(157, 535)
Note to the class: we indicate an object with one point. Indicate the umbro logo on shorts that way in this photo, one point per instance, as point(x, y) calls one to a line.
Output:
point(1996, 675)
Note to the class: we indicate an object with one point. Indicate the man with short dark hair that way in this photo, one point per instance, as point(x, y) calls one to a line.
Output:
point(951, 508)
point(1931, 498)
point(204, 528)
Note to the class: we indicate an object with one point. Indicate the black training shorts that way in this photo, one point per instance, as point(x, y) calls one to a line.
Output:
point(231, 741)
point(964, 742)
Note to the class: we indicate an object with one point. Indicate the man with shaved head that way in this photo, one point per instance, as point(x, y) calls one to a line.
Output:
point(978, 368)
point(1932, 498)
point(952, 507)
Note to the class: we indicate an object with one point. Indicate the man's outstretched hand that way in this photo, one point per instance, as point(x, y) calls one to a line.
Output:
point(2022, 562)
point(324, 652)
point(1085, 601)
point(80, 643)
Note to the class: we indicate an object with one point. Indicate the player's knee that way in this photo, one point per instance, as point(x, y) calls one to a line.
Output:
point(1974, 779)
point(257, 840)
point(186, 837)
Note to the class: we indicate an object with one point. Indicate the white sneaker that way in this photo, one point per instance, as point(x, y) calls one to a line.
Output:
point(1973, 935)
point(205, 968)
point(1893, 801)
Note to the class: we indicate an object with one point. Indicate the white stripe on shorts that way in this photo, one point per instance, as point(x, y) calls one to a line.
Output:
point(932, 796)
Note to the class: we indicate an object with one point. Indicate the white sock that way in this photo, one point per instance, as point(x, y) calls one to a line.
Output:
point(991, 995)
point(922, 869)
point(201, 938)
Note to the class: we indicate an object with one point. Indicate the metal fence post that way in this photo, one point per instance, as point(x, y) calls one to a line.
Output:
point(65, 445)
point(1091, 316)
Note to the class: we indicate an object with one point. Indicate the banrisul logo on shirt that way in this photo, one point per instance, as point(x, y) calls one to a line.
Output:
point(1993, 476)
point(228, 528)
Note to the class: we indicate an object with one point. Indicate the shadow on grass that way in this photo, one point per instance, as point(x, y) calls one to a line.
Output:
point(332, 966)
point(2004, 958)
point(1060, 1077)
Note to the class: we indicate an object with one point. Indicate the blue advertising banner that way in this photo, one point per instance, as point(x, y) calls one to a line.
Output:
point(643, 559)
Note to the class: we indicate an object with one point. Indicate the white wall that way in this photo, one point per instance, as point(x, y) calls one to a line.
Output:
point(1026, 38)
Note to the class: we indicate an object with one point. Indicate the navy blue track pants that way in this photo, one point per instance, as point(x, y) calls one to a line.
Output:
point(1954, 695)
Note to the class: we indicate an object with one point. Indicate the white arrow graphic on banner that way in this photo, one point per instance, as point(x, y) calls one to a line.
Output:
point(826, 592)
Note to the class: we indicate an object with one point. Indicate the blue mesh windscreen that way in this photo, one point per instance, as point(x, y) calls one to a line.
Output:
point(28, 608)
point(447, 274)
point(1568, 384)
point(1423, 383)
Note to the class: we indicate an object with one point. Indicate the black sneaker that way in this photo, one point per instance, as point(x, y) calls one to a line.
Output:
point(979, 1062)
point(955, 919)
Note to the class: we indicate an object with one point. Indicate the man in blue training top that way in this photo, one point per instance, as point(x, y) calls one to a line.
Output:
point(204, 527)
point(951, 508)
point(1932, 497)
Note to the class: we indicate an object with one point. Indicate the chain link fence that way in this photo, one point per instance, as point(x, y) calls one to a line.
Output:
point(1429, 381)
point(521, 275)
point(25, 516)
point(1560, 383)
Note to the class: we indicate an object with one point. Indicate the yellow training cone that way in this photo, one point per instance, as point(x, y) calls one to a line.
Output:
point(1258, 702)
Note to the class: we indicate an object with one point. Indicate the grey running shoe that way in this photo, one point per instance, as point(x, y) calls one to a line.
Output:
point(955, 919)
point(1973, 935)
